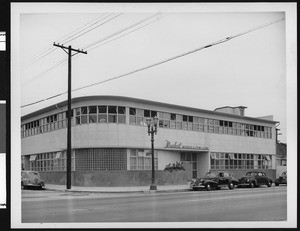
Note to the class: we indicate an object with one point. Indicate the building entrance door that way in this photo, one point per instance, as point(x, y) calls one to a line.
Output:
point(190, 157)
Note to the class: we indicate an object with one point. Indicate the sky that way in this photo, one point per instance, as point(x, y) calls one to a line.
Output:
point(248, 70)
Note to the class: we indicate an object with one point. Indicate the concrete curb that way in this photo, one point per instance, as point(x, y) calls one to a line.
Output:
point(130, 191)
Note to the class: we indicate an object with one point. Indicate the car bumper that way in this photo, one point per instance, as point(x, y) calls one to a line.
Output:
point(244, 184)
point(35, 185)
point(198, 186)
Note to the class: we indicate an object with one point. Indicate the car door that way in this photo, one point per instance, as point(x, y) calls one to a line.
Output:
point(223, 178)
point(264, 178)
point(259, 178)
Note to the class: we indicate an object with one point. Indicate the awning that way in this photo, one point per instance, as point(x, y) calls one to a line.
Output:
point(57, 156)
point(32, 157)
point(268, 157)
point(141, 153)
point(231, 156)
point(213, 155)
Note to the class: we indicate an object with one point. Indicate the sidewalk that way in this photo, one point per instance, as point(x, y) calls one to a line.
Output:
point(129, 189)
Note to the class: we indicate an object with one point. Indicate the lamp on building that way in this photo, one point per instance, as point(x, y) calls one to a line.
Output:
point(152, 129)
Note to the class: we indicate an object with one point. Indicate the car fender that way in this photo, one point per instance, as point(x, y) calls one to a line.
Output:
point(254, 181)
point(212, 182)
point(234, 181)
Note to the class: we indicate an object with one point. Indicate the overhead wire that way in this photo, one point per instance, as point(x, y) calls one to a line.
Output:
point(126, 33)
point(61, 62)
point(62, 39)
point(82, 28)
point(118, 32)
point(114, 34)
point(94, 28)
point(178, 56)
point(163, 61)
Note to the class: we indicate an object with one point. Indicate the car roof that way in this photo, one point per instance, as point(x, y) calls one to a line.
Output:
point(28, 171)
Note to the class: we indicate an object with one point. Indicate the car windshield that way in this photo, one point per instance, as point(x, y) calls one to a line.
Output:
point(33, 173)
point(210, 174)
point(251, 174)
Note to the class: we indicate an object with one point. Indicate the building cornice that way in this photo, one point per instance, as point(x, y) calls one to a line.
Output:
point(142, 101)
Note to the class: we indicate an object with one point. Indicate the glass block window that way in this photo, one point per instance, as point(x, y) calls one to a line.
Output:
point(101, 159)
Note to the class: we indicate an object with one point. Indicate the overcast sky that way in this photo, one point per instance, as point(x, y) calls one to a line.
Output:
point(249, 70)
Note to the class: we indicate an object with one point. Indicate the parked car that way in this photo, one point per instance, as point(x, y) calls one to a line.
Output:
point(214, 180)
point(31, 179)
point(254, 179)
point(281, 179)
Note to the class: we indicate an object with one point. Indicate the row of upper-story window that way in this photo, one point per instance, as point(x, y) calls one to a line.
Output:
point(138, 116)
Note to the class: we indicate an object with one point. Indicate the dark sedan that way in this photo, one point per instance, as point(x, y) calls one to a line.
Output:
point(254, 179)
point(214, 180)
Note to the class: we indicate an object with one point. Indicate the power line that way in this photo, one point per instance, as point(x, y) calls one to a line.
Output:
point(120, 31)
point(127, 28)
point(82, 28)
point(93, 28)
point(125, 34)
point(179, 56)
point(62, 40)
point(47, 71)
point(164, 61)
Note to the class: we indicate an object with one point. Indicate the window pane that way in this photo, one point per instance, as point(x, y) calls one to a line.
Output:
point(139, 112)
point(167, 116)
point(112, 118)
point(121, 110)
point(92, 109)
point(184, 118)
point(112, 109)
point(173, 116)
point(132, 119)
point(178, 117)
point(102, 118)
point(84, 110)
point(84, 119)
point(132, 111)
point(102, 109)
point(146, 113)
point(92, 118)
point(153, 113)
point(122, 119)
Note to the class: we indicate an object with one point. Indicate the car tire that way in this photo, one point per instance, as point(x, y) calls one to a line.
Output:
point(276, 184)
point(269, 184)
point(22, 186)
point(252, 184)
point(208, 187)
point(231, 185)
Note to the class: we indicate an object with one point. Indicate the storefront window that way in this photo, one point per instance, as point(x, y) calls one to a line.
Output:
point(142, 159)
point(240, 161)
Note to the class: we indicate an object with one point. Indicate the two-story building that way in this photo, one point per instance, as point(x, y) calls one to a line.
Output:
point(111, 146)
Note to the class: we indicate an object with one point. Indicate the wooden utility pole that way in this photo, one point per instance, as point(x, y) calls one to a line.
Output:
point(69, 50)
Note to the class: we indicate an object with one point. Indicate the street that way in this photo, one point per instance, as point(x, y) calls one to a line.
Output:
point(257, 204)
